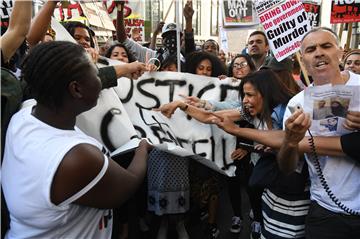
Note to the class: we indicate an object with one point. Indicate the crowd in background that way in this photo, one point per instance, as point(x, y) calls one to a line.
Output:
point(68, 188)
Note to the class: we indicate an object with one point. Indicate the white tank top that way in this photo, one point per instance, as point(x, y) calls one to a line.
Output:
point(33, 152)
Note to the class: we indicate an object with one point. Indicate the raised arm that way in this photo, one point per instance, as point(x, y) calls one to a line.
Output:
point(120, 26)
point(189, 33)
point(40, 23)
point(295, 128)
point(155, 33)
point(141, 53)
point(18, 28)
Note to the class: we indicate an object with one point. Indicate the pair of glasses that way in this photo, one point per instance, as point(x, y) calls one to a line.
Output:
point(240, 65)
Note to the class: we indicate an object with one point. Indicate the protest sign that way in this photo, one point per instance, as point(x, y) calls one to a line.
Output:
point(238, 13)
point(134, 17)
point(312, 8)
point(180, 135)
point(328, 106)
point(345, 11)
point(5, 12)
point(285, 24)
point(108, 121)
point(97, 15)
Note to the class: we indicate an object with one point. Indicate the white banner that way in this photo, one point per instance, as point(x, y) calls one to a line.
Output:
point(180, 135)
point(285, 24)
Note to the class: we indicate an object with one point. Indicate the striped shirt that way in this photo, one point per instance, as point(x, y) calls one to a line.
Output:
point(284, 218)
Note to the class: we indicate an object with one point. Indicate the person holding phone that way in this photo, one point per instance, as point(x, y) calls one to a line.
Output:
point(335, 193)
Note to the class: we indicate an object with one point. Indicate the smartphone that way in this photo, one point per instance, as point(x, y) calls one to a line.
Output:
point(293, 108)
point(250, 148)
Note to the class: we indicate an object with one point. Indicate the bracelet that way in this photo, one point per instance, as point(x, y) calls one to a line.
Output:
point(184, 108)
point(202, 103)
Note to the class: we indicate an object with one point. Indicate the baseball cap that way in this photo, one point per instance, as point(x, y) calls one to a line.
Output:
point(285, 64)
point(168, 27)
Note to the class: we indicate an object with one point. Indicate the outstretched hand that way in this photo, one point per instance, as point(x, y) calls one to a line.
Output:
point(296, 126)
point(193, 100)
point(136, 69)
point(168, 109)
point(224, 123)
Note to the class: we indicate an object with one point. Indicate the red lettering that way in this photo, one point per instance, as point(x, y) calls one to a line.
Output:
point(270, 14)
point(288, 4)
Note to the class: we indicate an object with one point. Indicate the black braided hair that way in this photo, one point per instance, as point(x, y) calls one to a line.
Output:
point(50, 67)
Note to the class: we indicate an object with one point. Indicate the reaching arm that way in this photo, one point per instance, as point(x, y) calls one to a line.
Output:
point(276, 138)
point(83, 163)
point(18, 28)
point(40, 23)
point(109, 75)
point(197, 113)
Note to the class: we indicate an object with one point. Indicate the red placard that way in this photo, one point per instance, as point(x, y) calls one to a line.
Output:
point(342, 12)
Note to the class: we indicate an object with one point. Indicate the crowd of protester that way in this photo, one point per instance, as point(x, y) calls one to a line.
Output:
point(65, 189)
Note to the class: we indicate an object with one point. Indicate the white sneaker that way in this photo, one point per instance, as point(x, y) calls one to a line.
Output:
point(255, 230)
point(236, 225)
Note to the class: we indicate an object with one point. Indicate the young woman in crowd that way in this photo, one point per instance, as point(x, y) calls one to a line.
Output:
point(239, 67)
point(203, 63)
point(62, 182)
point(285, 201)
point(204, 183)
point(168, 182)
point(352, 61)
point(119, 52)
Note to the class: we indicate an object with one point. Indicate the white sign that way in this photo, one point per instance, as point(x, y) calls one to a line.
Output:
point(180, 135)
point(285, 24)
